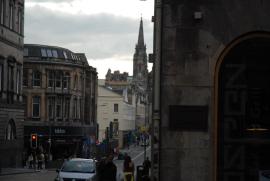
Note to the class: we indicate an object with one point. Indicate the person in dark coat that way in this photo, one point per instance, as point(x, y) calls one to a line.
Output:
point(107, 169)
point(146, 166)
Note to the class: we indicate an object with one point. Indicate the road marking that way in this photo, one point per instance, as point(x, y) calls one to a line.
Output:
point(140, 154)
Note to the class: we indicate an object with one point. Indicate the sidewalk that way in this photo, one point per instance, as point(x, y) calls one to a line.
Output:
point(13, 171)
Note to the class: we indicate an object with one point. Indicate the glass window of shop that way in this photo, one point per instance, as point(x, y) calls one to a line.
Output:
point(36, 106)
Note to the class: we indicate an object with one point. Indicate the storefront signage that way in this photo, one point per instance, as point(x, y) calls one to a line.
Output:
point(59, 131)
point(188, 118)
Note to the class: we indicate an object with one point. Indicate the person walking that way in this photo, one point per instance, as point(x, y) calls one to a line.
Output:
point(107, 169)
point(128, 169)
point(40, 159)
point(146, 166)
point(30, 160)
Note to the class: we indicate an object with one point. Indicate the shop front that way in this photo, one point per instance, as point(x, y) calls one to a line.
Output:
point(58, 142)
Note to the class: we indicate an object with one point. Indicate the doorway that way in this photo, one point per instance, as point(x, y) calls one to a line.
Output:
point(243, 121)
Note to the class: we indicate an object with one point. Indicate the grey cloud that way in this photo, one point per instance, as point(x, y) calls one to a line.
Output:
point(99, 36)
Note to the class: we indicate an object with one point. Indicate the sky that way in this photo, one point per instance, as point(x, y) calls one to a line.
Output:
point(105, 30)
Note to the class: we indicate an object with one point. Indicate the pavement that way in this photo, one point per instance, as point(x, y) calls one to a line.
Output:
point(13, 171)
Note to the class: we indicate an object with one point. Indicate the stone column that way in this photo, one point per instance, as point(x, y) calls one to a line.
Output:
point(15, 82)
point(5, 76)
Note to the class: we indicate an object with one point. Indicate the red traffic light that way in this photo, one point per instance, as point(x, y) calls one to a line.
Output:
point(34, 137)
point(34, 142)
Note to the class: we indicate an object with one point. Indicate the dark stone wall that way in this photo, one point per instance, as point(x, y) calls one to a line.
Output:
point(190, 50)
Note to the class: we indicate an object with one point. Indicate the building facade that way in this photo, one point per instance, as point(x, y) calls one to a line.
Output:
point(116, 80)
point(60, 94)
point(211, 90)
point(11, 70)
point(116, 113)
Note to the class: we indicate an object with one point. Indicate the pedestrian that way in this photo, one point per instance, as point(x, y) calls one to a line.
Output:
point(40, 159)
point(128, 169)
point(46, 157)
point(146, 166)
point(30, 160)
point(138, 140)
point(107, 169)
point(34, 159)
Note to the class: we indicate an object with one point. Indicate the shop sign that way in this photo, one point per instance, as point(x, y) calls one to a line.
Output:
point(59, 131)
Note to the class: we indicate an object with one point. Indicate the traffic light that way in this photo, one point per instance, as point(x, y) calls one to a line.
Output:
point(34, 139)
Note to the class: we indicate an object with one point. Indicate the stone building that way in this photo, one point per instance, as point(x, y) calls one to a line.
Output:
point(211, 90)
point(117, 81)
point(140, 72)
point(140, 81)
point(60, 93)
point(116, 113)
point(11, 69)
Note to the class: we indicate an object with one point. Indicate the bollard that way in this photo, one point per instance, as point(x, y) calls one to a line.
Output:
point(140, 173)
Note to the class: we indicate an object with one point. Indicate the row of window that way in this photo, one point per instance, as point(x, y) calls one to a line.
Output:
point(9, 14)
point(58, 107)
point(12, 77)
point(52, 53)
point(55, 79)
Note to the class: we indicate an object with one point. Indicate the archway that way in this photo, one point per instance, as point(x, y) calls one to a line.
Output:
point(243, 110)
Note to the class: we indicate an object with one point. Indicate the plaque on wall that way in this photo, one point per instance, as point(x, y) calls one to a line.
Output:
point(188, 118)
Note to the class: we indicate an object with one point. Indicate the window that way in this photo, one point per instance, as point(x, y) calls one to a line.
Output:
point(25, 52)
point(1, 77)
point(67, 105)
point(66, 81)
point(20, 21)
point(11, 130)
point(43, 52)
point(11, 15)
point(36, 78)
point(115, 107)
point(65, 54)
point(54, 52)
point(79, 109)
point(59, 107)
point(58, 79)
point(25, 77)
point(36, 106)
point(75, 82)
point(51, 101)
point(50, 78)
point(10, 83)
point(49, 53)
point(75, 108)
point(115, 127)
point(82, 81)
point(2, 11)
point(10, 77)
point(18, 80)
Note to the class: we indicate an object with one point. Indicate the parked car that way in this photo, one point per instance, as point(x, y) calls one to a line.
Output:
point(77, 169)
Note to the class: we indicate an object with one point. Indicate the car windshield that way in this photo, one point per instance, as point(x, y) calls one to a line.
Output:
point(82, 166)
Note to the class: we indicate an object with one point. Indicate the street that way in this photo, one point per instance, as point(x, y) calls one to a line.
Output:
point(137, 154)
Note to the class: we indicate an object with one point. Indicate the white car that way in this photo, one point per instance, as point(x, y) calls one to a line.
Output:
point(77, 169)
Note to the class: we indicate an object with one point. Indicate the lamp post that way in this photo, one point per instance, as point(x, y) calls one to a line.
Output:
point(50, 142)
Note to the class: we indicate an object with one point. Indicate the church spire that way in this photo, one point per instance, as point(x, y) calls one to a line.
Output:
point(141, 38)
